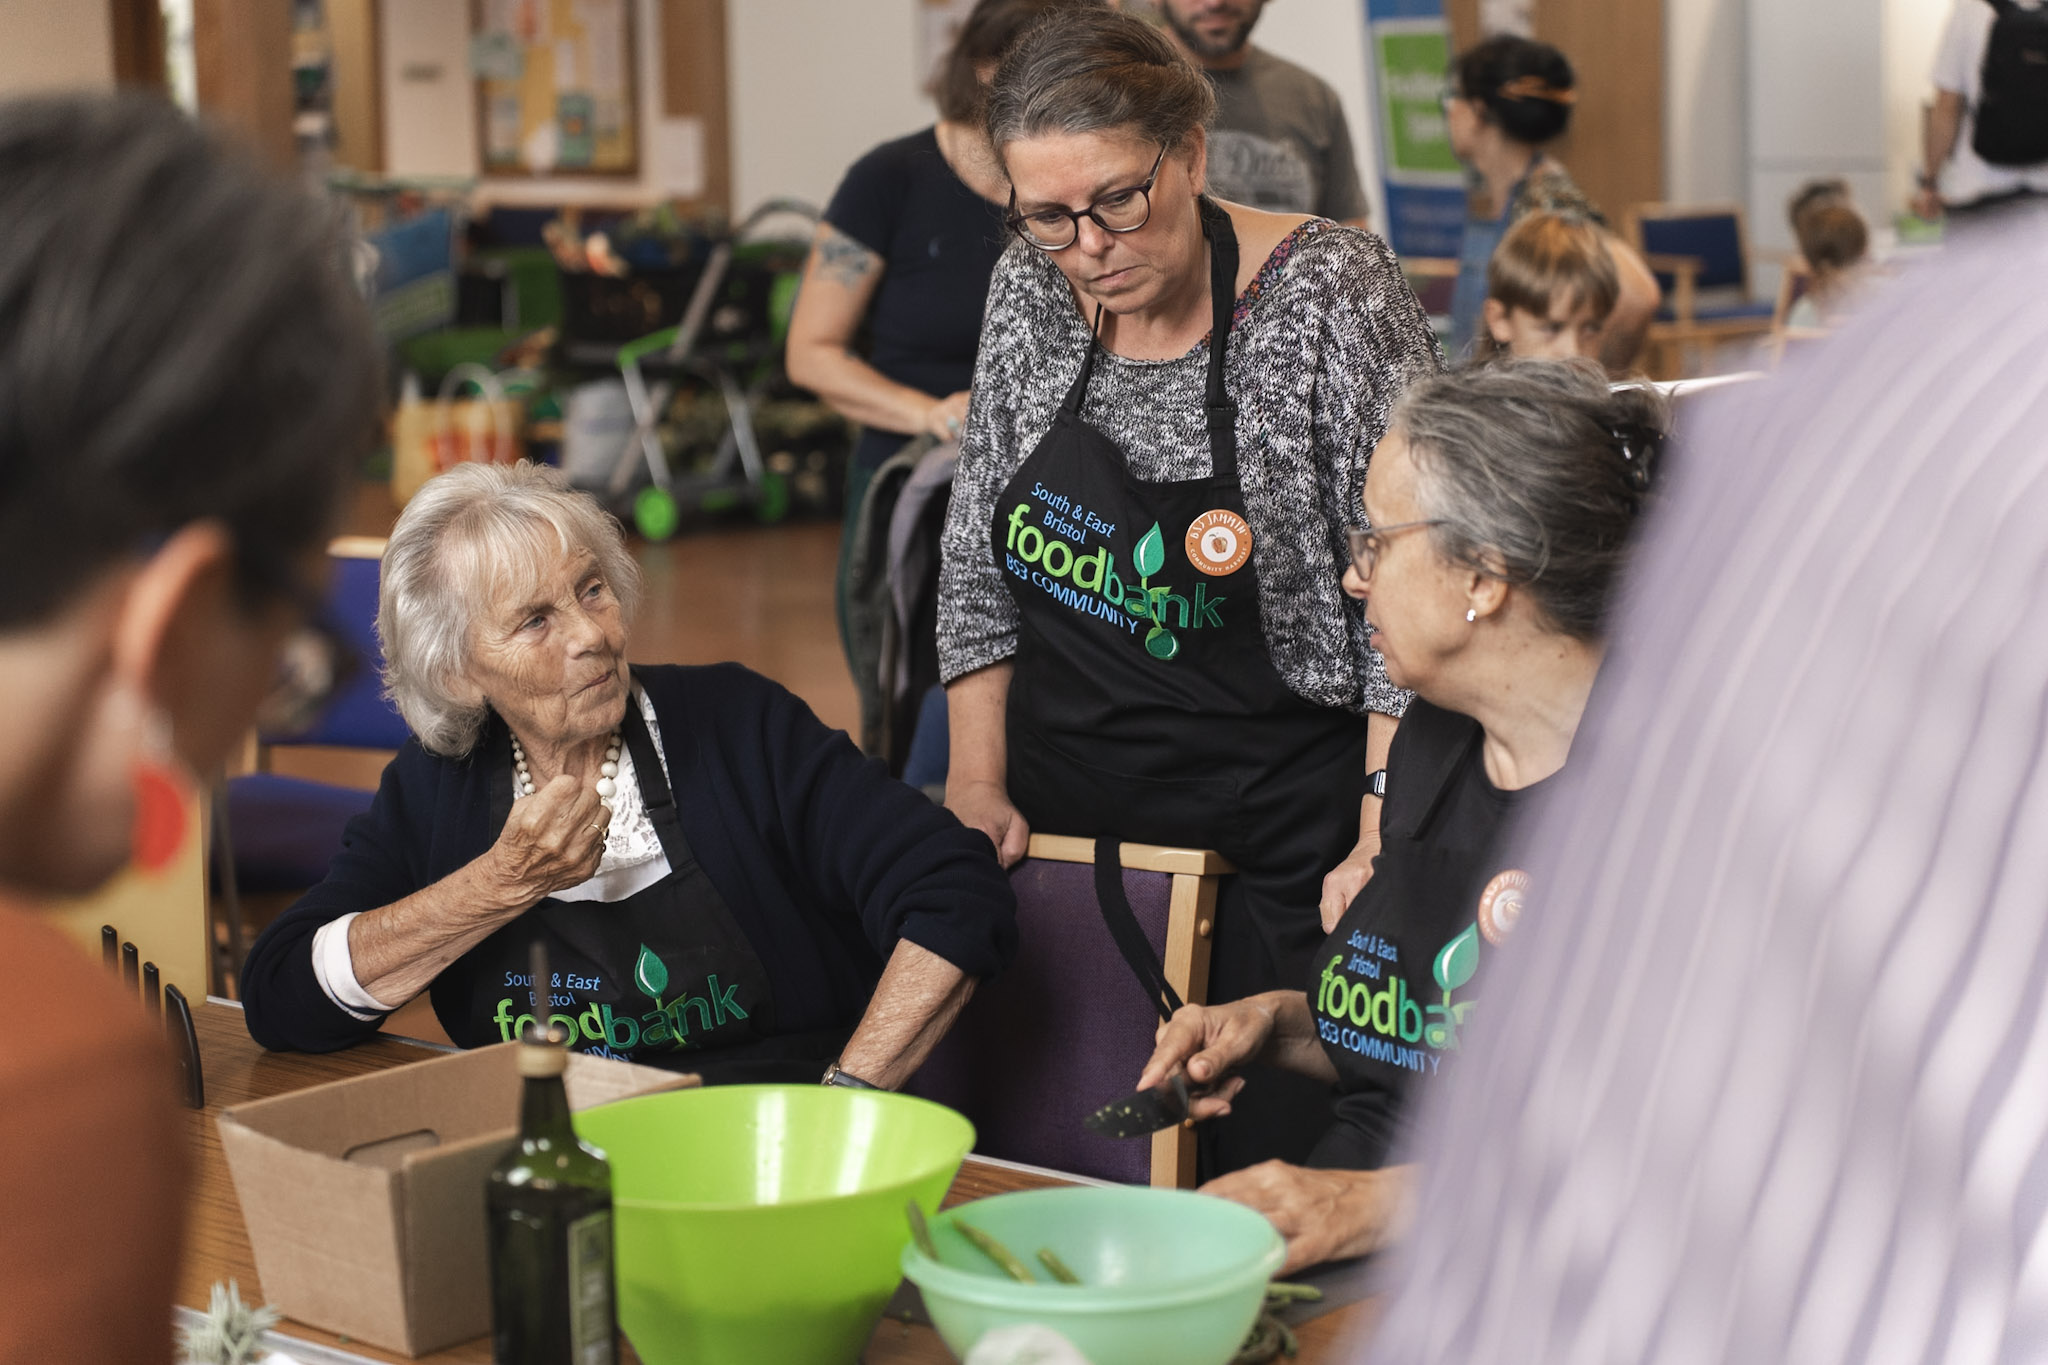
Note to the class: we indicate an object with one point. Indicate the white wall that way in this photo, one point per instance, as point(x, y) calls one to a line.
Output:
point(1762, 94)
point(1704, 124)
point(1816, 107)
point(814, 84)
point(1912, 32)
point(430, 108)
point(55, 45)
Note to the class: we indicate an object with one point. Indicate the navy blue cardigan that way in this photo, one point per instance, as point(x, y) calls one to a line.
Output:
point(824, 859)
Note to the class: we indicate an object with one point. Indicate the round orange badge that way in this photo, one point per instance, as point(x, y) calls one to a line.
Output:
point(1500, 905)
point(1219, 542)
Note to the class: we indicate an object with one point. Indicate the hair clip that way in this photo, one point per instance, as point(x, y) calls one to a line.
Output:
point(1536, 88)
point(1637, 446)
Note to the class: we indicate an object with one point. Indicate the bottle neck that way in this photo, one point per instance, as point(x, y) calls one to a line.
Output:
point(544, 1109)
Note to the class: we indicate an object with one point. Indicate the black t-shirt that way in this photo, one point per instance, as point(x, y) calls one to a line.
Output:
point(939, 242)
point(1394, 984)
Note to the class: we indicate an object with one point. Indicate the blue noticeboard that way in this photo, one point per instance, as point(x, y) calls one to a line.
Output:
point(1408, 52)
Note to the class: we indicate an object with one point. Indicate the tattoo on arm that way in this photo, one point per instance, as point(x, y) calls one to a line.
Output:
point(845, 260)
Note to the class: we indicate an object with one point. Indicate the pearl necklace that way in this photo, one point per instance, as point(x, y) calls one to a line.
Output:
point(607, 771)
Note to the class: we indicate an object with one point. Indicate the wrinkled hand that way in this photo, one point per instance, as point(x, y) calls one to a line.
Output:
point(1210, 1043)
point(946, 418)
point(1343, 882)
point(986, 806)
point(553, 840)
point(1324, 1215)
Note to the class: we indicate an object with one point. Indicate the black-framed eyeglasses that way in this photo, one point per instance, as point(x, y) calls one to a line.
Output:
point(314, 662)
point(1124, 210)
point(1366, 542)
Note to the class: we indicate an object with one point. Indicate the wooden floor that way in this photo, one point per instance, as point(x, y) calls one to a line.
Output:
point(757, 595)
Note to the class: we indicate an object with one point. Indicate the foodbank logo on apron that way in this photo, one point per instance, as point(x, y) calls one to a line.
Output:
point(668, 1026)
point(1363, 1005)
point(1064, 551)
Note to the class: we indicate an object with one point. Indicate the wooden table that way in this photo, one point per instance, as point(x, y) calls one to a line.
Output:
point(217, 1243)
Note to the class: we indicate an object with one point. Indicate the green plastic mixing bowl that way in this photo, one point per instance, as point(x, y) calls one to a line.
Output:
point(764, 1222)
point(1165, 1274)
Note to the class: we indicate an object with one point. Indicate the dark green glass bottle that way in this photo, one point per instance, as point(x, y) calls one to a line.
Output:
point(550, 1205)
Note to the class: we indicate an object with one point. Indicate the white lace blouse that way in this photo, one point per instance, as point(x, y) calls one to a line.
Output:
point(633, 861)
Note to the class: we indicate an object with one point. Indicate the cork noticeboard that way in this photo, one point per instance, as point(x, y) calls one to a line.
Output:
point(555, 87)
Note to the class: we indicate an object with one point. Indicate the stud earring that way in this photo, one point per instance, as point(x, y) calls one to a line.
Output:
point(1471, 614)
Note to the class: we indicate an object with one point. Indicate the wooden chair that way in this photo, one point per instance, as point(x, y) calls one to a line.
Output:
point(1068, 1028)
point(1701, 256)
point(163, 913)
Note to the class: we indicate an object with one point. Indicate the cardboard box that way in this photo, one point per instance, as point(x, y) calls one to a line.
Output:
point(364, 1198)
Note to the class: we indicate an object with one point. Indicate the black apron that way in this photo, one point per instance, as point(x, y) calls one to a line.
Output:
point(1143, 705)
point(665, 977)
point(1392, 986)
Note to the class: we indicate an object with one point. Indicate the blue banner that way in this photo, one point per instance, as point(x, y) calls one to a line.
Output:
point(1408, 52)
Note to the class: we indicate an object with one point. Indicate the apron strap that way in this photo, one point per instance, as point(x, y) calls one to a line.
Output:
point(1078, 390)
point(1216, 402)
point(654, 790)
point(1220, 411)
point(1124, 928)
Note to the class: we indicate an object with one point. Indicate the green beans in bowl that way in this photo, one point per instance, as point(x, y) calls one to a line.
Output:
point(1164, 1274)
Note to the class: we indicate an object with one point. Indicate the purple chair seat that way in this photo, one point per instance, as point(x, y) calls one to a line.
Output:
point(1060, 1034)
point(287, 829)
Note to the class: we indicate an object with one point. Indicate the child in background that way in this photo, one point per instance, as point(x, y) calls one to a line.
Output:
point(1549, 288)
point(1835, 242)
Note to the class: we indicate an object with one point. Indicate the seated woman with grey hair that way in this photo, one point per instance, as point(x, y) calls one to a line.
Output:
point(1501, 504)
point(723, 884)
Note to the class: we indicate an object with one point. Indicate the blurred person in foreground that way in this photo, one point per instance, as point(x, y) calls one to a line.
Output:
point(1765, 1083)
point(1500, 507)
point(187, 383)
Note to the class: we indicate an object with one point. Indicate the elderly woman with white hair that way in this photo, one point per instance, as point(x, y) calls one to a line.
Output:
point(723, 883)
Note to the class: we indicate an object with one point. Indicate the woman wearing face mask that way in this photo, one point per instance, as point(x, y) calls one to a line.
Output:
point(1140, 624)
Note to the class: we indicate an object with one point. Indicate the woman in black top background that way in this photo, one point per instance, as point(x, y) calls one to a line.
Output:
point(889, 316)
point(1501, 503)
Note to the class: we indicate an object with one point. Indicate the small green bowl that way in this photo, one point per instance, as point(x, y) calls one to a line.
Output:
point(764, 1222)
point(1165, 1274)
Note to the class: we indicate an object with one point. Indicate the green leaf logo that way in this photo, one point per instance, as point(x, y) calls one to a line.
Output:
point(1160, 643)
point(1458, 960)
point(1151, 553)
point(650, 975)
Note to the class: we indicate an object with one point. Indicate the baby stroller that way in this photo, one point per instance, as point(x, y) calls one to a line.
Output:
point(730, 338)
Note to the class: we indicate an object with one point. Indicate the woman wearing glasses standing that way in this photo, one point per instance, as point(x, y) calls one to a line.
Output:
point(1503, 502)
point(1174, 403)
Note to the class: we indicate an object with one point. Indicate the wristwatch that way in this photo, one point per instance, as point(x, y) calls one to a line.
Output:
point(834, 1076)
